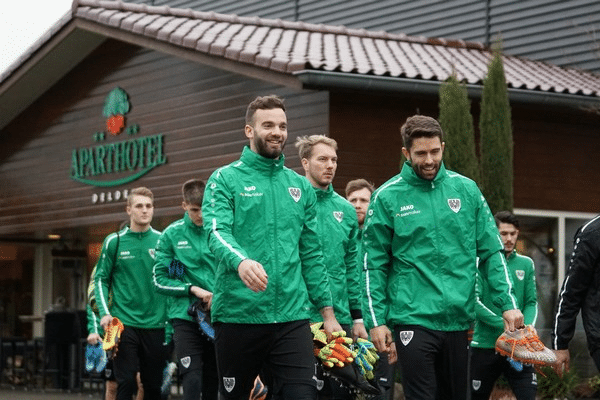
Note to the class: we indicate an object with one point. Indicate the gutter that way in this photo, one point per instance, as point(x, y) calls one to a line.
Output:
point(311, 79)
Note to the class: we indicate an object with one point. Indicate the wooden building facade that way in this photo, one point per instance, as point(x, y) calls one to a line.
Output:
point(185, 117)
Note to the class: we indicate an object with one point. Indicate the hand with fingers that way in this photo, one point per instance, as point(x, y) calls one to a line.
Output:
point(253, 274)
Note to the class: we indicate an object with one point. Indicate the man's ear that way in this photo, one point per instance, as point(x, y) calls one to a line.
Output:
point(304, 162)
point(406, 153)
point(249, 131)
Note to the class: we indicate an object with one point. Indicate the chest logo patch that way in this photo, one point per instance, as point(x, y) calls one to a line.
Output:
point(520, 274)
point(296, 193)
point(228, 383)
point(152, 252)
point(339, 215)
point(454, 204)
point(406, 337)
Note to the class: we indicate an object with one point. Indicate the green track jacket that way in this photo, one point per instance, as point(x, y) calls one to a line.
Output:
point(188, 243)
point(256, 208)
point(338, 231)
point(135, 302)
point(489, 323)
point(421, 243)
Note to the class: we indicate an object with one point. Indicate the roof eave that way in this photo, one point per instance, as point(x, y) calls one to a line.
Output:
point(312, 79)
point(43, 69)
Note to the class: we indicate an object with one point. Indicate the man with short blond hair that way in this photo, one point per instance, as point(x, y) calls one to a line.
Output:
point(125, 268)
point(338, 234)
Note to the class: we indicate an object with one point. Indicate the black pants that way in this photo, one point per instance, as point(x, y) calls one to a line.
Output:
point(140, 350)
point(281, 352)
point(196, 361)
point(384, 378)
point(486, 368)
point(433, 363)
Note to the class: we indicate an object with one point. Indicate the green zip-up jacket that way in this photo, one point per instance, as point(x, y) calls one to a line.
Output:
point(135, 302)
point(338, 231)
point(258, 209)
point(489, 323)
point(187, 243)
point(421, 243)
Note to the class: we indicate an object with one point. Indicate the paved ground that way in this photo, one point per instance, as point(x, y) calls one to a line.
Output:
point(20, 394)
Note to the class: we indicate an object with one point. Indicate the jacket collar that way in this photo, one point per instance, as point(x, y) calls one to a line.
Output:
point(511, 255)
point(409, 175)
point(261, 163)
point(128, 231)
point(188, 221)
point(324, 194)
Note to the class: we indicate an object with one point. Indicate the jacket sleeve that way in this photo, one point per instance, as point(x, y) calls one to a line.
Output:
point(353, 273)
point(483, 313)
point(530, 306)
point(311, 256)
point(103, 275)
point(489, 251)
point(376, 261)
point(218, 210)
point(584, 258)
point(93, 322)
point(165, 254)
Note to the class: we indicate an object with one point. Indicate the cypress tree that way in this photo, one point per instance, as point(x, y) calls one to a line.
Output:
point(459, 134)
point(496, 143)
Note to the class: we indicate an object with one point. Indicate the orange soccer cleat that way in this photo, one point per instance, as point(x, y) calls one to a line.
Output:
point(525, 346)
point(112, 336)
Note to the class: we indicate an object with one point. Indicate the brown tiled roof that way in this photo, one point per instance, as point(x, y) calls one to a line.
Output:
point(289, 47)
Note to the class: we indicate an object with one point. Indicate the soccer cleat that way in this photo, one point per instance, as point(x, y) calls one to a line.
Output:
point(259, 391)
point(112, 336)
point(102, 361)
point(168, 372)
point(350, 375)
point(524, 345)
point(90, 357)
point(201, 315)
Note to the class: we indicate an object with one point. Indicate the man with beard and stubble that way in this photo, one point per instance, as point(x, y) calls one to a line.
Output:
point(261, 221)
point(425, 230)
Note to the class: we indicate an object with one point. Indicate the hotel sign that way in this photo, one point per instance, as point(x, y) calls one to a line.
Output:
point(120, 161)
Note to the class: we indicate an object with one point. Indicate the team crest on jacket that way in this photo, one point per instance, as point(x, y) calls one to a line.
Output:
point(228, 383)
point(296, 193)
point(406, 337)
point(454, 204)
point(186, 361)
point(339, 215)
point(152, 253)
point(520, 274)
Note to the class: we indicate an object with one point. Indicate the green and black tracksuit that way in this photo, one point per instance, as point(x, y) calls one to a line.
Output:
point(421, 242)
point(255, 208)
point(183, 260)
point(125, 269)
point(486, 365)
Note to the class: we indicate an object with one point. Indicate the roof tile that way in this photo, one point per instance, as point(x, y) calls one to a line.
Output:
point(289, 46)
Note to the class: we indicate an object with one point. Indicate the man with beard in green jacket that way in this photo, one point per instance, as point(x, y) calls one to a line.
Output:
point(261, 218)
point(426, 229)
point(338, 232)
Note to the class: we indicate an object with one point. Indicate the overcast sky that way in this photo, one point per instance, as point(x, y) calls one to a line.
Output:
point(22, 22)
